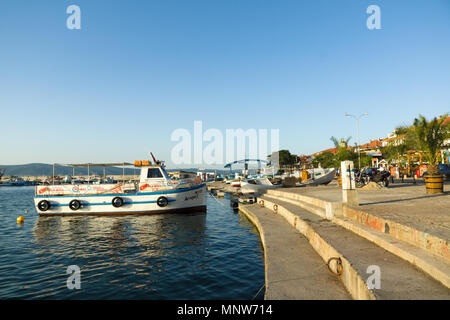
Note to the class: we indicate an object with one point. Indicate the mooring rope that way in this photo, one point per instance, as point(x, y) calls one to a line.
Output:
point(258, 291)
point(215, 198)
point(307, 276)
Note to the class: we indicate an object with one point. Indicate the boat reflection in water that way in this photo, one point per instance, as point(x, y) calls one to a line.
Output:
point(88, 233)
point(128, 252)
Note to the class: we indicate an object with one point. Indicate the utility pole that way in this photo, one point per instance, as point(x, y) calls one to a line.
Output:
point(357, 133)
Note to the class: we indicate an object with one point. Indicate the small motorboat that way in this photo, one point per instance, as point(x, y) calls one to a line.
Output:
point(319, 176)
point(16, 182)
point(259, 185)
point(155, 192)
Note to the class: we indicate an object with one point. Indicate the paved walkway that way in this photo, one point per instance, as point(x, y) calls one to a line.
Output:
point(294, 269)
point(404, 203)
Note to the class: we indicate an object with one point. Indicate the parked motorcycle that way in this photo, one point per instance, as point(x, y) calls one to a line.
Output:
point(367, 175)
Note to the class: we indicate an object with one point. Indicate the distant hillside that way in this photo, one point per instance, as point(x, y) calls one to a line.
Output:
point(44, 169)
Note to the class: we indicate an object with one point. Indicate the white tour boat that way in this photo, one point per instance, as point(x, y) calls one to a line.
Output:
point(155, 192)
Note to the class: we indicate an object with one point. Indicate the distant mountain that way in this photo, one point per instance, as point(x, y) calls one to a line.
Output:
point(44, 169)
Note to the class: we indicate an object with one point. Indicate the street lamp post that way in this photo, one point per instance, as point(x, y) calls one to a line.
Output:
point(357, 133)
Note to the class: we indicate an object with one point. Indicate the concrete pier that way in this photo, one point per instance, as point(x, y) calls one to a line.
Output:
point(412, 262)
point(293, 269)
point(404, 211)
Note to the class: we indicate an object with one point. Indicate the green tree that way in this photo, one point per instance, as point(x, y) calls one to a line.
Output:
point(286, 158)
point(329, 160)
point(343, 143)
point(366, 160)
point(398, 146)
point(343, 153)
point(429, 138)
point(326, 160)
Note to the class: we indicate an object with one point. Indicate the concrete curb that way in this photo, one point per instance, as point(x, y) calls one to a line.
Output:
point(353, 282)
point(438, 270)
point(428, 253)
point(250, 216)
point(420, 239)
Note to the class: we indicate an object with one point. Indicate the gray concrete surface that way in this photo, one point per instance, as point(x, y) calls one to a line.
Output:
point(404, 203)
point(294, 271)
point(399, 279)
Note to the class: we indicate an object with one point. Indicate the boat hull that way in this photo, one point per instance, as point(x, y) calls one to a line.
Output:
point(324, 179)
point(191, 199)
point(248, 188)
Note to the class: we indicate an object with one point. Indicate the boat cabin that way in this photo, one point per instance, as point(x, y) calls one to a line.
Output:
point(154, 175)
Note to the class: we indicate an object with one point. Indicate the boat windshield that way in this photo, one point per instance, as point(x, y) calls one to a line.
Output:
point(154, 173)
point(164, 172)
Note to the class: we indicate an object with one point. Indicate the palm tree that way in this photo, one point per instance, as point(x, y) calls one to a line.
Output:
point(429, 138)
point(343, 143)
point(343, 152)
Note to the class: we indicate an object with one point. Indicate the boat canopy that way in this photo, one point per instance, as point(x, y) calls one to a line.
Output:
point(114, 164)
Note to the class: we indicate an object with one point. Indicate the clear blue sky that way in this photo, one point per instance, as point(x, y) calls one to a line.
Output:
point(138, 70)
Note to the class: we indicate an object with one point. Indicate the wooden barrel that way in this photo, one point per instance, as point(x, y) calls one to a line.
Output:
point(434, 183)
point(304, 175)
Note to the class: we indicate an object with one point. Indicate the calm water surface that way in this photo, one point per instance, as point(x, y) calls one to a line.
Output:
point(216, 255)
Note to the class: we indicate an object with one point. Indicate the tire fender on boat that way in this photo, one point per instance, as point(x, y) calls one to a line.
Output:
point(43, 205)
point(162, 201)
point(117, 202)
point(75, 204)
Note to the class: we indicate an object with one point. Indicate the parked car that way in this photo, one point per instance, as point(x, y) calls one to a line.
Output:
point(445, 170)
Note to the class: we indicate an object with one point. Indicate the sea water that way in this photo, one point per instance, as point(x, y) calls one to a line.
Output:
point(213, 255)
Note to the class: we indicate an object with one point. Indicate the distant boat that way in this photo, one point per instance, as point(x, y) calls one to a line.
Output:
point(259, 185)
point(320, 176)
point(16, 182)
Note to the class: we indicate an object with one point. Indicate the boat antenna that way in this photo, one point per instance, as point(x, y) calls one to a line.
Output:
point(154, 160)
point(157, 162)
